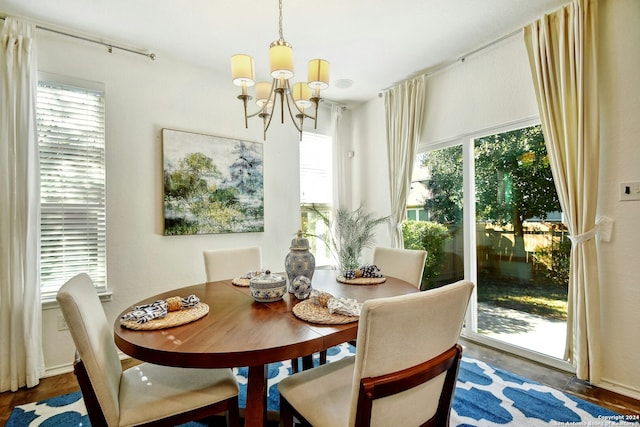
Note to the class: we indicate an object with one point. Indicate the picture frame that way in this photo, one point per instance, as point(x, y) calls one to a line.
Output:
point(211, 184)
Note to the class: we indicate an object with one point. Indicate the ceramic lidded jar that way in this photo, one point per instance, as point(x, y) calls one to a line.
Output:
point(267, 287)
point(299, 261)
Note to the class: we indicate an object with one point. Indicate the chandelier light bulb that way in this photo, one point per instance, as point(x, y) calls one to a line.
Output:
point(263, 94)
point(302, 95)
point(318, 76)
point(281, 60)
point(242, 70)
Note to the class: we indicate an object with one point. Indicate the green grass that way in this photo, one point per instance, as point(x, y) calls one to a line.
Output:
point(534, 297)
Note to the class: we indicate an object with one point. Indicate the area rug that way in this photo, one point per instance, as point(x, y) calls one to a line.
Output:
point(485, 396)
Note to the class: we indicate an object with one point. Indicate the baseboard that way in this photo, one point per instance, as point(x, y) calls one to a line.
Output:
point(66, 368)
point(52, 371)
point(619, 388)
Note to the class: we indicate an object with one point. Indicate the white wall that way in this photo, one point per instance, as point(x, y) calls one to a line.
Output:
point(493, 88)
point(142, 97)
point(619, 264)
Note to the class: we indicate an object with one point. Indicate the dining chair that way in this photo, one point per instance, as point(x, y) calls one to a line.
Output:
point(222, 264)
point(404, 370)
point(145, 394)
point(404, 264)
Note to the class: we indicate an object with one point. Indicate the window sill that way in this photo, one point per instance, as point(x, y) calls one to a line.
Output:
point(49, 303)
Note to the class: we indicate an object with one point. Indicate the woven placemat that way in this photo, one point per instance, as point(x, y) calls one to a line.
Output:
point(314, 313)
point(240, 281)
point(361, 280)
point(173, 318)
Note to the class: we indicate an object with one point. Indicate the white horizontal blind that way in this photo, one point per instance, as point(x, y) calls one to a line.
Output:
point(315, 169)
point(72, 168)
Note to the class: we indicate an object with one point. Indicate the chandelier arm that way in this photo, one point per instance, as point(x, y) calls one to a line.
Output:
point(299, 116)
point(267, 123)
point(293, 118)
point(244, 98)
point(270, 100)
point(257, 113)
point(315, 117)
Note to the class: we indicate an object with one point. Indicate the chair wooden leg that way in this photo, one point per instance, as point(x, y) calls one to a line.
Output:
point(286, 413)
point(233, 413)
point(323, 357)
point(294, 366)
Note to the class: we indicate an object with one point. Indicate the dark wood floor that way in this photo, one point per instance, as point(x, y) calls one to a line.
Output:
point(61, 384)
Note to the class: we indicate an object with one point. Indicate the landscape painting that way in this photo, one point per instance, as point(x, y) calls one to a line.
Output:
point(212, 184)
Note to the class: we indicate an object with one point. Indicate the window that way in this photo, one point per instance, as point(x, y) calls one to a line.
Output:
point(70, 125)
point(316, 189)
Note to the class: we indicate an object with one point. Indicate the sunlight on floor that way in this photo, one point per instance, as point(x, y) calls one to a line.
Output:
point(525, 330)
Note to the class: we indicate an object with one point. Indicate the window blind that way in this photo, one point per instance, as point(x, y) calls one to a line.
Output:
point(70, 122)
point(315, 169)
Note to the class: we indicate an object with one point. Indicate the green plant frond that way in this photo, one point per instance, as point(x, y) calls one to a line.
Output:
point(349, 233)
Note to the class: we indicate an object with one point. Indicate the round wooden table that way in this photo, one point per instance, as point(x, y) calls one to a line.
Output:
point(239, 331)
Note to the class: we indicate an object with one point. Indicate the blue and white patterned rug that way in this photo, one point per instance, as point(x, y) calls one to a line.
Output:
point(485, 396)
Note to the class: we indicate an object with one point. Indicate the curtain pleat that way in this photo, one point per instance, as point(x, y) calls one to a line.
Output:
point(340, 195)
point(404, 108)
point(562, 55)
point(21, 356)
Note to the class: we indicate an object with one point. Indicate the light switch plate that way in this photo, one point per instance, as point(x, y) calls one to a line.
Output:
point(629, 191)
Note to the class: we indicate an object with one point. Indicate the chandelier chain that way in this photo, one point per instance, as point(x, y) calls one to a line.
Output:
point(280, 20)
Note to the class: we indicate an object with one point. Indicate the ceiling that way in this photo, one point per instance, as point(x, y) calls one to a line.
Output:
point(372, 43)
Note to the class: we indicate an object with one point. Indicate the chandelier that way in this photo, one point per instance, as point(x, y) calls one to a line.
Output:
point(299, 99)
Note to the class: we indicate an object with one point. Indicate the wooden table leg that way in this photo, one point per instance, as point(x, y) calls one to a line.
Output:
point(255, 414)
point(307, 362)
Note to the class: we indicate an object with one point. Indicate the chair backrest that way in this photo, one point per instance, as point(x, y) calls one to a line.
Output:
point(222, 264)
point(411, 342)
point(405, 264)
point(93, 338)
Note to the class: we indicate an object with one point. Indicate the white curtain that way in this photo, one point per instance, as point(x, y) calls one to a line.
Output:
point(404, 108)
point(562, 55)
point(21, 357)
point(339, 190)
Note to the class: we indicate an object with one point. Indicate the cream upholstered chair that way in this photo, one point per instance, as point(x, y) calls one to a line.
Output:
point(222, 264)
point(143, 394)
point(405, 264)
point(404, 371)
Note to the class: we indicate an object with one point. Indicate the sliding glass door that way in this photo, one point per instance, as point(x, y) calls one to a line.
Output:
point(514, 245)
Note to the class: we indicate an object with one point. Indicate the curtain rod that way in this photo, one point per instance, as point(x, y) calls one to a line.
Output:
point(110, 46)
point(427, 72)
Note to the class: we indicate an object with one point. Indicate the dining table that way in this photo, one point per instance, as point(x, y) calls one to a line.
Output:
point(238, 331)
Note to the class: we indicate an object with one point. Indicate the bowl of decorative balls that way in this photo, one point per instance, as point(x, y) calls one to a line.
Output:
point(364, 275)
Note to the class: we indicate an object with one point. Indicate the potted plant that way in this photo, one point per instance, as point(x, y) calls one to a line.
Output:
point(348, 234)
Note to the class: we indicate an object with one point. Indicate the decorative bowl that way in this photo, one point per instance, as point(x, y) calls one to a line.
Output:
point(267, 287)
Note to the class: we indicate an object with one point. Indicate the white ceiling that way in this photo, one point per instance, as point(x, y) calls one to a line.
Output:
point(374, 43)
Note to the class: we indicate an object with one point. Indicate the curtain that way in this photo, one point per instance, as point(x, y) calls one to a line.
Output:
point(562, 55)
point(404, 108)
point(21, 357)
point(339, 190)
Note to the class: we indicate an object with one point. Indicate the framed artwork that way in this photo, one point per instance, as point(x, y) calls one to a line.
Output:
point(212, 184)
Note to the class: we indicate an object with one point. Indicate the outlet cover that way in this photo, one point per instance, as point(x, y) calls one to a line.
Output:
point(629, 191)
